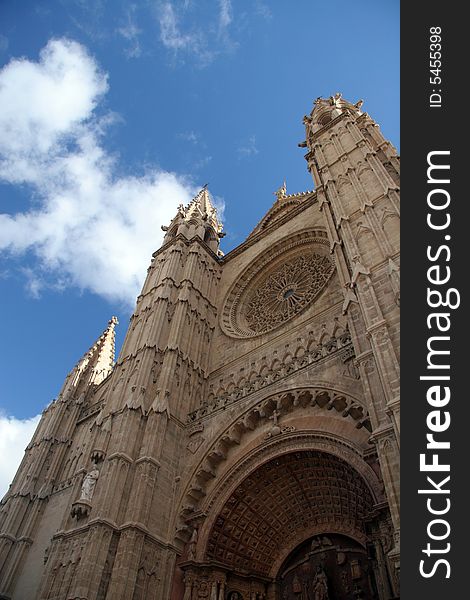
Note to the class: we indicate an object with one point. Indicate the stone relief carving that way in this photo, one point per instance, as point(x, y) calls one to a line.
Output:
point(320, 542)
point(192, 545)
point(281, 192)
point(394, 276)
point(281, 403)
point(194, 444)
point(276, 429)
point(320, 585)
point(65, 563)
point(315, 346)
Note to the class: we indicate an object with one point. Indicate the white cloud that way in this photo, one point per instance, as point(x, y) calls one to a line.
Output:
point(15, 435)
point(192, 43)
point(225, 14)
point(41, 102)
point(171, 36)
point(225, 20)
point(263, 10)
point(248, 148)
point(131, 33)
point(88, 226)
point(34, 284)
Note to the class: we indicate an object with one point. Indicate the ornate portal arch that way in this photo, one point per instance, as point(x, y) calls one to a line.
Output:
point(294, 487)
point(290, 444)
point(311, 404)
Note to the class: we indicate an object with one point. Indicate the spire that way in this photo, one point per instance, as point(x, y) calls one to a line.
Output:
point(95, 365)
point(197, 219)
point(102, 353)
point(201, 206)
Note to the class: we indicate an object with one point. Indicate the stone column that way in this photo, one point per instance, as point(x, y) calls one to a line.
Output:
point(273, 591)
point(188, 586)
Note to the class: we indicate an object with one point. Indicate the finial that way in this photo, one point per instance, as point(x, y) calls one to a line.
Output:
point(113, 321)
point(281, 192)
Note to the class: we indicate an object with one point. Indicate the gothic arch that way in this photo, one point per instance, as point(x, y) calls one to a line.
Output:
point(321, 398)
point(355, 491)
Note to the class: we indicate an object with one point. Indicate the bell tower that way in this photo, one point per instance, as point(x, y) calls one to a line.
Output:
point(115, 534)
point(356, 175)
point(160, 376)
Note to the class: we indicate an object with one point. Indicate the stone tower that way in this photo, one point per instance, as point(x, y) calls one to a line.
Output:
point(245, 443)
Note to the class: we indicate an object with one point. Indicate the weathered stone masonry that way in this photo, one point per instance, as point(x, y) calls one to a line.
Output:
point(245, 444)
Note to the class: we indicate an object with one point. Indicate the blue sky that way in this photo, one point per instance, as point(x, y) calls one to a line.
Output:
point(112, 113)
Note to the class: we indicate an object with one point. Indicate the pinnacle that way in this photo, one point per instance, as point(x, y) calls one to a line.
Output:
point(104, 352)
point(99, 360)
point(202, 206)
point(281, 192)
point(204, 200)
point(335, 105)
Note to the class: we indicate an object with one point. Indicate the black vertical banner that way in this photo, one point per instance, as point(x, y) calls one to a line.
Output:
point(435, 405)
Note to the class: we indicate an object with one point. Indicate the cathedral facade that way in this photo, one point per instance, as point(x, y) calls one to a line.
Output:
point(245, 444)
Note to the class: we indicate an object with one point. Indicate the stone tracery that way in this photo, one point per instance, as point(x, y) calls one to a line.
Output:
point(286, 291)
point(309, 351)
point(250, 405)
point(278, 285)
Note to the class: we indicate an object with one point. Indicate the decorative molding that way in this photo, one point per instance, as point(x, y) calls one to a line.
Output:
point(258, 415)
point(337, 344)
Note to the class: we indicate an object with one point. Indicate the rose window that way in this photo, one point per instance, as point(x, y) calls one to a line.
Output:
point(286, 291)
point(278, 285)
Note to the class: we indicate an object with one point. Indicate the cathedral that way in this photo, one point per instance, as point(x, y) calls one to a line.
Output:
point(244, 445)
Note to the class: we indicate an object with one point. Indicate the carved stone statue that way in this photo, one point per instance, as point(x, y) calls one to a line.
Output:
point(281, 192)
point(336, 99)
point(320, 585)
point(88, 485)
point(192, 545)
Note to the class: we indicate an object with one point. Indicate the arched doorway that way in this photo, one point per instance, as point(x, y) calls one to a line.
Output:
point(297, 519)
point(281, 503)
point(333, 567)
